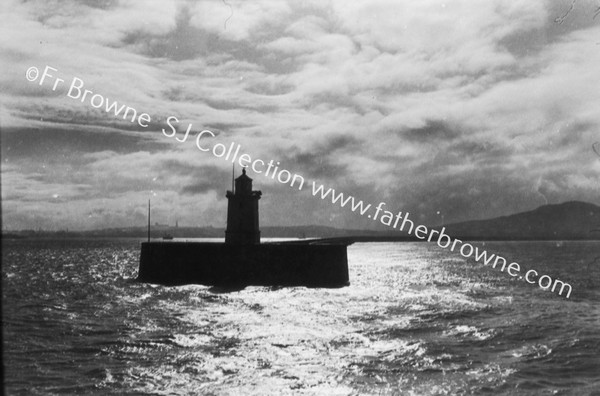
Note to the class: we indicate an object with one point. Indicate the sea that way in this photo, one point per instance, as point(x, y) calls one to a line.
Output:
point(415, 320)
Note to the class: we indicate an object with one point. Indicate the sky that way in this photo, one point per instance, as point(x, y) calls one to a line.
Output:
point(450, 110)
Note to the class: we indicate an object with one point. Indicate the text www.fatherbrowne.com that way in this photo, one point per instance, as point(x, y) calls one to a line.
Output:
point(401, 222)
point(233, 152)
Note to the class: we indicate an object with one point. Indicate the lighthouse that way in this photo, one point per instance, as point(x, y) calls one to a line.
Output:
point(242, 213)
point(242, 260)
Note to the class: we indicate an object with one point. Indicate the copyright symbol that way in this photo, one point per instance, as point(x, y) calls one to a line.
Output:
point(32, 73)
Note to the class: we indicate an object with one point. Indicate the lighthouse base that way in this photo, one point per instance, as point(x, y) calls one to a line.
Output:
point(310, 264)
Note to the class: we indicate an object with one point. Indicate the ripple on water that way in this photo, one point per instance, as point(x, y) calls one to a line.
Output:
point(414, 320)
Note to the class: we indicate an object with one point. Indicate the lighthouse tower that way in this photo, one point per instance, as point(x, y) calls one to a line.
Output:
point(242, 213)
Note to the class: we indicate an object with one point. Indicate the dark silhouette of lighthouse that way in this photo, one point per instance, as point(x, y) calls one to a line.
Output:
point(242, 213)
point(242, 260)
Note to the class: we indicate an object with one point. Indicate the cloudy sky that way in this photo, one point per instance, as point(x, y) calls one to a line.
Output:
point(466, 109)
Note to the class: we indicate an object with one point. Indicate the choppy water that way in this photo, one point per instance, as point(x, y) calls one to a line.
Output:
point(416, 320)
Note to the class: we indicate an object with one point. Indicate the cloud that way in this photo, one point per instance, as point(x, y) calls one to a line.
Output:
point(473, 109)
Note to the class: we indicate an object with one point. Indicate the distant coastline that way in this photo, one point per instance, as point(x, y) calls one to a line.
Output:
point(577, 221)
point(358, 236)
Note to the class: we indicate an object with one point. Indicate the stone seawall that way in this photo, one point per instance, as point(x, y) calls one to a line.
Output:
point(269, 264)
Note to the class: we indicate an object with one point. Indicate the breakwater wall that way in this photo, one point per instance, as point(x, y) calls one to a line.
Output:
point(270, 264)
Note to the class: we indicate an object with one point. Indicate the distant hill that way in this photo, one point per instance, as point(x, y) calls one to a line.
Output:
point(568, 220)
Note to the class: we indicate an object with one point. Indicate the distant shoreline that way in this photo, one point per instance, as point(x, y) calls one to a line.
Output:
point(568, 221)
point(353, 238)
